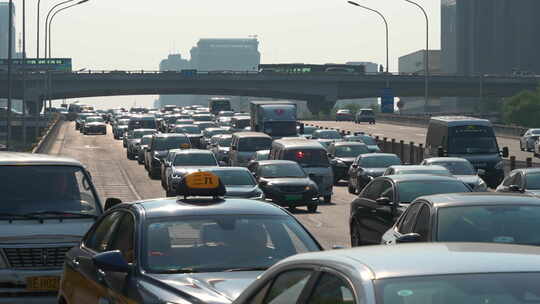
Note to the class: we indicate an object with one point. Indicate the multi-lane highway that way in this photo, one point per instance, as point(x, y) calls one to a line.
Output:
point(416, 134)
point(116, 176)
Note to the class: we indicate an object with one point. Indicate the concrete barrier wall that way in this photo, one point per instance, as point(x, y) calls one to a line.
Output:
point(46, 141)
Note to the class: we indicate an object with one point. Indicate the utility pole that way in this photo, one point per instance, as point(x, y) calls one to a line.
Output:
point(9, 73)
point(24, 75)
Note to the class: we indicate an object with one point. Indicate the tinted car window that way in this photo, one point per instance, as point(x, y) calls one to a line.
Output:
point(225, 142)
point(514, 288)
point(140, 134)
point(28, 189)
point(327, 134)
point(252, 144)
point(99, 240)
point(533, 181)
point(177, 244)
point(169, 143)
point(308, 157)
point(368, 140)
point(194, 159)
point(379, 161)
point(281, 170)
point(419, 171)
point(472, 140)
point(331, 289)
point(350, 151)
point(94, 119)
point(235, 178)
point(500, 224)
point(288, 287)
point(188, 129)
point(142, 124)
point(124, 238)
point(410, 190)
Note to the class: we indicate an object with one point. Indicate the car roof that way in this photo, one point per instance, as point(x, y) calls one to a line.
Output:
point(169, 207)
point(299, 143)
point(420, 177)
point(446, 159)
point(18, 158)
point(527, 170)
point(277, 162)
point(367, 155)
point(424, 259)
point(348, 143)
point(143, 130)
point(417, 167)
point(194, 151)
point(480, 198)
point(326, 130)
point(168, 135)
point(211, 169)
point(460, 120)
point(251, 134)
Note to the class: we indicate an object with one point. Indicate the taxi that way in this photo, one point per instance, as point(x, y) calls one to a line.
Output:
point(194, 248)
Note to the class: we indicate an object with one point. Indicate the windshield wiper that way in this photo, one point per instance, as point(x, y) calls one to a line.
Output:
point(179, 270)
point(63, 213)
point(246, 269)
point(23, 216)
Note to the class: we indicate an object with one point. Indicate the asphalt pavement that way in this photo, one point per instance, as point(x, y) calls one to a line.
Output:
point(116, 176)
point(416, 134)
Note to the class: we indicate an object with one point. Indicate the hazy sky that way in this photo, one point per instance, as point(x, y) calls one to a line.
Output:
point(137, 34)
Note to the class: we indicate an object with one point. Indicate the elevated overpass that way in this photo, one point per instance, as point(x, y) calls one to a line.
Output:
point(320, 90)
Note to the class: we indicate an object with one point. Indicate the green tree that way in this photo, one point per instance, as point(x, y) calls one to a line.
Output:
point(523, 109)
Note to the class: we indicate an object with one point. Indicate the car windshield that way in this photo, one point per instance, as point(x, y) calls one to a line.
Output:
point(327, 134)
point(188, 129)
point(381, 161)
point(457, 168)
point(410, 190)
point(535, 131)
point(507, 288)
point(123, 122)
point(169, 143)
point(280, 128)
point(368, 140)
point(221, 243)
point(366, 112)
point(216, 132)
point(29, 189)
point(472, 140)
point(253, 144)
point(143, 124)
point(533, 181)
point(225, 142)
point(509, 223)
point(235, 177)
point(308, 157)
point(195, 159)
point(309, 130)
point(140, 134)
point(262, 155)
point(241, 123)
point(281, 170)
point(351, 151)
point(94, 119)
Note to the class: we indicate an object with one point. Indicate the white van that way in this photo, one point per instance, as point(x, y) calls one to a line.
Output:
point(244, 145)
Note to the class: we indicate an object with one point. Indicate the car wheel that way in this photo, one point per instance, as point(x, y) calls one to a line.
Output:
point(356, 239)
point(312, 208)
point(328, 199)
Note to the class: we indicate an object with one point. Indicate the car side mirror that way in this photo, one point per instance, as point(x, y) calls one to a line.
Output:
point(505, 152)
point(514, 188)
point(112, 261)
point(384, 201)
point(111, 202)
point(409, 238)
point(481, 172)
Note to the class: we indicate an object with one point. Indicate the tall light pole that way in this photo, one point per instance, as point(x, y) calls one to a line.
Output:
point(52, 17)
point(24, 74)
point(426, 58)
point(385, 23)
point(47, 20)
point(37, 32)
point(9, 74)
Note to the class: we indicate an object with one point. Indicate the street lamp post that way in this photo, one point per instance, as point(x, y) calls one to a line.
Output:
point(385, 23)
point(47, 20)
point(426, 57)
point(9, 74)
point(51, 21)
point(37, 32)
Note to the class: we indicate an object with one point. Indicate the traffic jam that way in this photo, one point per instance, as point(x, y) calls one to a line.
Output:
point(455, 228)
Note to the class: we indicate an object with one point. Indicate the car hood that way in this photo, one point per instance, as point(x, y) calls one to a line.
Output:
point(50, 231)
point(534, 192)
point(374, 172)
point(288, 181)
point(469, 179)
point(94, 124)
point(217, 287)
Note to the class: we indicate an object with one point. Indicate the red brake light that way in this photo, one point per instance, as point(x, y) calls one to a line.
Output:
point(300, 154)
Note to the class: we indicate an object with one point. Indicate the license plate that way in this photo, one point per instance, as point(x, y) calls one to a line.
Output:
point(42, 283)
point(295, 197)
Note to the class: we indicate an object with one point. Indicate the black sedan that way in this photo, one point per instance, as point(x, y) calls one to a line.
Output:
point(192, 250)
point(469, 217)
point(286, 183)
point(385, 198)
point(367, 167)
point(342, 155)
point(522, 181)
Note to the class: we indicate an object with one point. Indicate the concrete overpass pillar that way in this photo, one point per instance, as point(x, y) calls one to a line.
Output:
point(321, 104)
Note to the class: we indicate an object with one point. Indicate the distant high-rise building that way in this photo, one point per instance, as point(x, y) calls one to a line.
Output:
point(4, 30)
point(226, 54)
point(490, 36)
point(414, 63)
point(174, 62)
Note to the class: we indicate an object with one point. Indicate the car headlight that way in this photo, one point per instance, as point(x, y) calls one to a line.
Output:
point(308, 188)
point(499, 166)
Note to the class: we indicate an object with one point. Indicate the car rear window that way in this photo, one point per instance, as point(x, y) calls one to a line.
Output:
point(308, 157)
point(252, 144)
point(411, 190)
point(195, 159)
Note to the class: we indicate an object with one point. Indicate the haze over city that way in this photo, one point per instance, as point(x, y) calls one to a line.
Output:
point(137, 34)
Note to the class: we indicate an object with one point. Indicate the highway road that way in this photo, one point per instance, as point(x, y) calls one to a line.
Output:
point(416, 134)
point(116, 176)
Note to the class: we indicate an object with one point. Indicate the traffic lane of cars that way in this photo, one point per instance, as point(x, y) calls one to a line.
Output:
point(116, 176)
point(415, 134)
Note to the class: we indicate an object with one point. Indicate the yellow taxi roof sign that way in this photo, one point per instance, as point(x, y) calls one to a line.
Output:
point(201, 184)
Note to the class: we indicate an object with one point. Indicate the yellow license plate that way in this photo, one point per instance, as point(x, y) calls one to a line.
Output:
point(42, 283)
